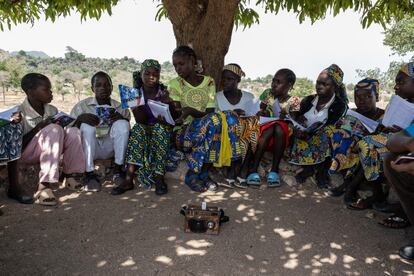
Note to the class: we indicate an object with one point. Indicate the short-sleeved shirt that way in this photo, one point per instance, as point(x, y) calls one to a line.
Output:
point(200, 97)
point(30, 117)
point(410, 130)
point(88, 105)
point(291, 105)
point(248, 102)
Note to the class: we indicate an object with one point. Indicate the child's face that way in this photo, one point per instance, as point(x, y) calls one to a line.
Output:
point(102, 88)
point(324, 85)
point(404, 86)
point(229, 80)
point(365, 100)
point(184, 65)
point(42, 92)
point(150, 77)
point(280, 85)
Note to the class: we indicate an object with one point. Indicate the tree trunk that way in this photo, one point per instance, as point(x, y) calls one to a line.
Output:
point(4, 94)
point(206, 26)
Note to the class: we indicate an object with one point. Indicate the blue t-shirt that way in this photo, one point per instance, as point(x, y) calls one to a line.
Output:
point(410, 130)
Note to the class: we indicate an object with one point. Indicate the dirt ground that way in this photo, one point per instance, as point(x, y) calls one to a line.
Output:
point(292, 230)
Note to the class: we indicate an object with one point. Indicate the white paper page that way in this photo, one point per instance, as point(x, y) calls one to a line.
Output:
point(296, 124)
point(61, 114)
point(399, 112)
point(264, 120)
point(162, 109)
point(370, 124)
point(276, 108)
point(7, 114)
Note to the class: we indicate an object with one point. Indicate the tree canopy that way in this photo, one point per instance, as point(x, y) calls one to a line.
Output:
point(400, 36)
point(207, 25)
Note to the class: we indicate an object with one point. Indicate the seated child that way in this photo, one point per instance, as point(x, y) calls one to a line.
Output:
point(106, 145)
point(11, 137)
point(274, 136)
point(44, 142)
point(320, 112)
point(246, 106)
point(149, 141)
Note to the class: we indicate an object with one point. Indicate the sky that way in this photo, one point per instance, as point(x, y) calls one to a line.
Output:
point(279, 41)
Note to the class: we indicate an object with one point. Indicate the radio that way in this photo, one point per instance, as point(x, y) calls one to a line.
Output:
point(203, 219)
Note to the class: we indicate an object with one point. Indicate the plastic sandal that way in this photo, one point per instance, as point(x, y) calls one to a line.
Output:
point(241, 183)
point(395, 222)
point(45, 197)
point(194, 183)
point(273, 180)
point(208, 182)
point(253, 180)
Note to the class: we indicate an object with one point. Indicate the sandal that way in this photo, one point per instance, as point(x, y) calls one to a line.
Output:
point(304, 175)
point(359, 205)
point(72, 183)
point(45, 197)
point(253, 180)
point(194, 183)
point(273, 180)
point(241, 183)
point(227, 183)
point(395, 222)
point(208, 182)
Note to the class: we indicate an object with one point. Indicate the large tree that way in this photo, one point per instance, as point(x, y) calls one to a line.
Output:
point(207, 25)
point(400, 36)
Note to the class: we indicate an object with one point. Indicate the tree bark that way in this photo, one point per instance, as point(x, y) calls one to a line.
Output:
point(206, 26)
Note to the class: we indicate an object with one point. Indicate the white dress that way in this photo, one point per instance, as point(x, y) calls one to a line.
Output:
point(248, 102)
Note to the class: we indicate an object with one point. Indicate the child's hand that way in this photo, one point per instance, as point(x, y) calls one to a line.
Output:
point(162, 120)
point(300, 133)
point(88, 118)
point(240, 112)
point(115, 116)
point(282, 114)
point(392, 129)
point(165, 97)
point(263, 113)
point(16, 117)
point(404, 167)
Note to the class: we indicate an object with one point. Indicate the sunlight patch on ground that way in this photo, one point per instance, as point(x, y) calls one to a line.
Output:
point(285, 234)
point(128, 262)
point(164, 259)
point(335, 245)
point(101, 263)
point(291, 264)
point(371, 260)
point(69, 196)
point(331, 260)
point(199, 243)
point(128, 220)
point(182, 251)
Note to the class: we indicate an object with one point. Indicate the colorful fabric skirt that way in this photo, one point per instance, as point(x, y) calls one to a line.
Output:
point(283, 125)
point(148, 148)
point(314, 150)
point(344, 146)
point(11, 137)
point(372, 150)
point(201, 139)
point(249, 131)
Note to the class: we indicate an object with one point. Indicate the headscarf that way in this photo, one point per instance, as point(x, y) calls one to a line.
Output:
point(337, 76)
point(235, 69)
point(370, 85)
point(408, 69)
point(150, 63)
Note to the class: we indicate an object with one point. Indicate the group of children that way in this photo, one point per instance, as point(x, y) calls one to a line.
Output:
point(224, 129)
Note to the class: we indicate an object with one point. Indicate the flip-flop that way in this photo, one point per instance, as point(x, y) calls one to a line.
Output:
point(273, 180)
point(395, 222)
point(208, 182)
point(253, 180)
point(194, 183)
point(45, 197)
point(241, 183)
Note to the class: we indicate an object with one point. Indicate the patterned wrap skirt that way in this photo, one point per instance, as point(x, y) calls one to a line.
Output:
point(372, 150)
point(314, 150)
point(199, 142)
point(148, 148)
point(11, 138)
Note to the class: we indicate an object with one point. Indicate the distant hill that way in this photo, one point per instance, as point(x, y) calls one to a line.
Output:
point(36, 54)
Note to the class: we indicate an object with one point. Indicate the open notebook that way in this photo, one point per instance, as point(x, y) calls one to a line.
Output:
point(161, 109)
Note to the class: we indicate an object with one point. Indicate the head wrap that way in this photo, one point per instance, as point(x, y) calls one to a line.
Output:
point(150, 63)
point(336, 74)
point(370, 85)
point(235, 69)
point(408, 69)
